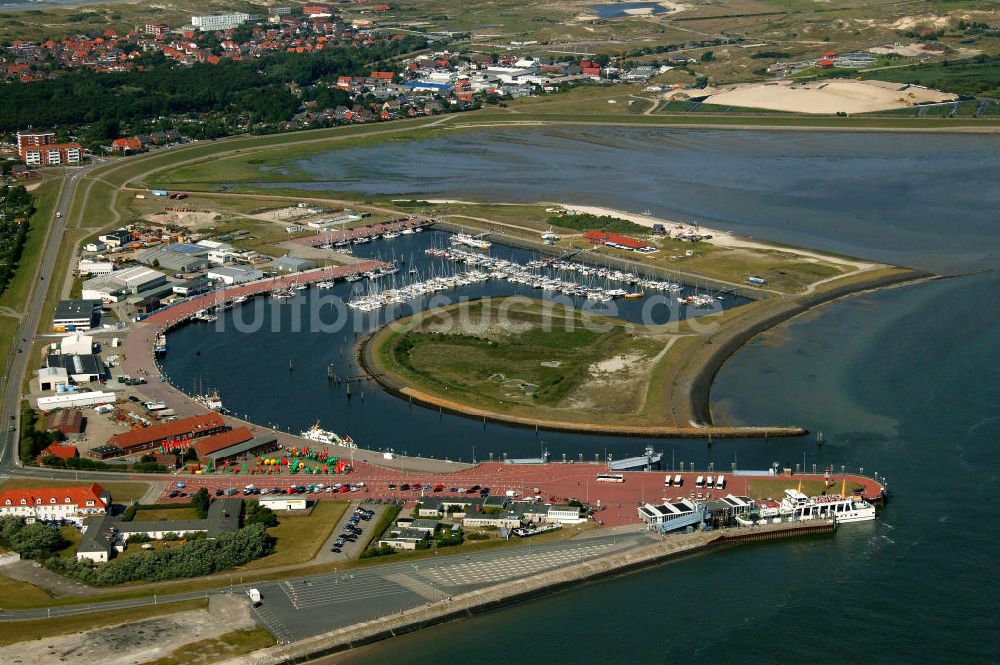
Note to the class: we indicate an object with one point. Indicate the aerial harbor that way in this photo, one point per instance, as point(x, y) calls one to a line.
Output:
point(362, 333)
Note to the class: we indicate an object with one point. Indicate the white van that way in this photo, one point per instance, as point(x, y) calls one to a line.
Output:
point(720, 482)
point(254, 595)
point(699, 481)
point(678, 480)
point(666, 481)
point(709, 482)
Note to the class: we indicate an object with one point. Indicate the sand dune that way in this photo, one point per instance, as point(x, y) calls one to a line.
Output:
point(826, 97)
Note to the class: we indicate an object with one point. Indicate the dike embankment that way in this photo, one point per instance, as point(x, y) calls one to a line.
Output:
point(670, 548)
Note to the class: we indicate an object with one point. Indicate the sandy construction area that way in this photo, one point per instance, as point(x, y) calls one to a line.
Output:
point(138, 642)
point(826, 97)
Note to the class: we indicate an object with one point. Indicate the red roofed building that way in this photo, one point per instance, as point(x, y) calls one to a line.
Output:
point(590, 68)
point(60, 451)
point(55, 503)
point(52, 154)
point(174, 434)
point(384, 76)
point(126, 145)
point(824, 63)
point(602, 238)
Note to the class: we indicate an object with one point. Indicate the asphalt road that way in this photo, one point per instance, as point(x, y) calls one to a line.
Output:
point(297, 608)
point(32, 316)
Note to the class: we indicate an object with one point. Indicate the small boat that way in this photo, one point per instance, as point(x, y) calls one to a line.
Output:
point(301, 287)
point(361, 241)
point(634, 295)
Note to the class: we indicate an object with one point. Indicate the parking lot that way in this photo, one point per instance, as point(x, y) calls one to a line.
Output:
point(351, 550)
point(296, 609)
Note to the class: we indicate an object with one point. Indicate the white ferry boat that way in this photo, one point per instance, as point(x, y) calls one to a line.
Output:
point(843, 509)
point(470, 241)
point(319, 435)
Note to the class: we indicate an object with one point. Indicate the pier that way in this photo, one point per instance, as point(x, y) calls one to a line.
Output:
point(369, 232)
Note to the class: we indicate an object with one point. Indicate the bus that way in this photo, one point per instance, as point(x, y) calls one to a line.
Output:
point(610, 478)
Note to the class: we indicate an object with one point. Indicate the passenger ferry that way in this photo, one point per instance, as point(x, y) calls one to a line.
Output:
point(843, 509)
point(319, 435)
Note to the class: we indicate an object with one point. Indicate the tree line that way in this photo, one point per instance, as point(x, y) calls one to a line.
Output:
point(259, 89)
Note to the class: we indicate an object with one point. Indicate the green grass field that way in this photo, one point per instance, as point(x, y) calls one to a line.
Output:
point(298, 539)
point(168, 514)
point(19, 595)
point(16, 293)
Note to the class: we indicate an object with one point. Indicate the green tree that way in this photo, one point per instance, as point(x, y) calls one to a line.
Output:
point(200, 502)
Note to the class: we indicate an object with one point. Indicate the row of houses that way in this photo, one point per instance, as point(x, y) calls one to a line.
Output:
point(207, 38)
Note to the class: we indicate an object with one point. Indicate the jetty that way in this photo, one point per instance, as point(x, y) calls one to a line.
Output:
point(331, 238)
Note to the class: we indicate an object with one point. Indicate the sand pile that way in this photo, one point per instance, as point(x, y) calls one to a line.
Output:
point(826, 97)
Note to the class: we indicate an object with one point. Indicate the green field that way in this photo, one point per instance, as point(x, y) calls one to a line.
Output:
point(978, 77)
point(506, 368)
point(19, 595)
point(166, 514)
point(298, 539)
point(16, 293)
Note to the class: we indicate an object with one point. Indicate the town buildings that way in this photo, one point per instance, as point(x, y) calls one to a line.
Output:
point(72, 504)
point(213, 22)
point(79, 314)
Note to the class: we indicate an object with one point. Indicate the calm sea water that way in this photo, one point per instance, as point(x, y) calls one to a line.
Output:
point(928, 202)
point(903, 382)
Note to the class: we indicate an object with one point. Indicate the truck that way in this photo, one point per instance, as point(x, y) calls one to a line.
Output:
point(754, 279)
point(159, 192)
point(255, 598)
point(511, 493)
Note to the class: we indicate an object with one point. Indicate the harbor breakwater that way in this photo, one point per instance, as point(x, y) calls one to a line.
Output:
point(669, 549)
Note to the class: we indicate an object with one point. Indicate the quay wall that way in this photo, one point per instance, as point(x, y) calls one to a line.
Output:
point(670, 548)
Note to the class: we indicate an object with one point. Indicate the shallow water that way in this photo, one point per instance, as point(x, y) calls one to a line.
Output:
point(923, 201)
